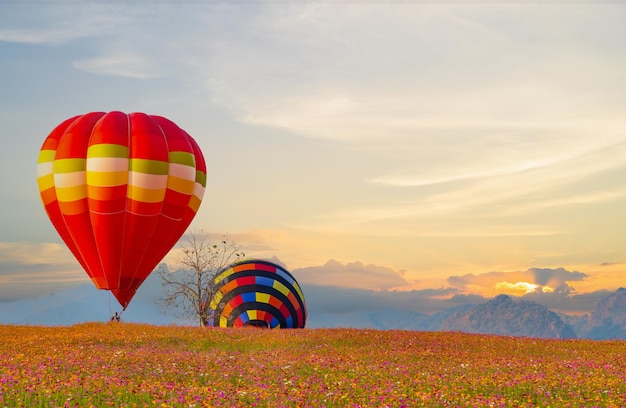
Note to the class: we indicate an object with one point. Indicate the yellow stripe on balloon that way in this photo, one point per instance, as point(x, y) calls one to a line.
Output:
point(107, 179)
point(46, 156)
point(148, 166)
point(201, 178)
point(184, 158)
point(45, 182)
point(45, 169)
point(146, 195)
point(194, 203)
point(69, 194)
point(180, 185)
point(281, 288)
point(216, 300)
point(262, 297)
point(297, 288)
point(224, 275)
point(107, 150)
point(69, 165)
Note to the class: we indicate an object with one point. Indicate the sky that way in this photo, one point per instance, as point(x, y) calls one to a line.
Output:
point(426, 154)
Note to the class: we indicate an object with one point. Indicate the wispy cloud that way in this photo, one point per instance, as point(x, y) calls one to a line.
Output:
point(341, 300)
point(518, 282)
point(345, 81)
point(57, 23)
point(514, 191)
point(124, 65)
point(30, 270)
point(417, 181)
point(354, 275)
point(424, 122)
point(35, 254)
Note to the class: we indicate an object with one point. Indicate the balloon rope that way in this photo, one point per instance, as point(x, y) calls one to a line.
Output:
point(116, 316)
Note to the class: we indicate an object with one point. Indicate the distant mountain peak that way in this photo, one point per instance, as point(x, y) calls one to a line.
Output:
point(608, 320)
point(504, 315)
point(503, 298)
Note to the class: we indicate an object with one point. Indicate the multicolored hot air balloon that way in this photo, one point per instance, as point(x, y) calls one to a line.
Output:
point(257, 293)
point(120, 189)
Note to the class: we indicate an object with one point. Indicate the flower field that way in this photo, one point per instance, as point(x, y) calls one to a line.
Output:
point(128, 365)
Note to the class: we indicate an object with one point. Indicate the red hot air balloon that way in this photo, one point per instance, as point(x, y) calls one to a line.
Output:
point(120, 189)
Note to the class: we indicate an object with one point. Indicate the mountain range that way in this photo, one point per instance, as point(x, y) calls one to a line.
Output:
point(502, 315)
point(505, 315)
point(608, 321)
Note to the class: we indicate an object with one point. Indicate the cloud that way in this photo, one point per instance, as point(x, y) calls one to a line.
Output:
point(556, 278)
point(417, 181)
point(442, 188)
point(83, 302)
point(354, 275)
point(525, 162)
point(30, 270)
point(332, 86)
point(116, 39)
point(34, 254)
point(129, 65)
point(465, 108)
point(533, 280)
point(55, 23)
point(357, 72)
point(567, 301)
point(322, 299)
point(517, 287)
point(253, 244)
point(24, 281)
point(456, 140)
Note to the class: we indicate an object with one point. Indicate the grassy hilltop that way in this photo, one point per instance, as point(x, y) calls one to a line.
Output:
point(126, 365)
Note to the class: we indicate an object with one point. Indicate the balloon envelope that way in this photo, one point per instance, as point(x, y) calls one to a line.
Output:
point(258, 293)
point(120, 189)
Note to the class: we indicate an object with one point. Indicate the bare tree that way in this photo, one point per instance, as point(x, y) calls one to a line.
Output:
point(190, 287)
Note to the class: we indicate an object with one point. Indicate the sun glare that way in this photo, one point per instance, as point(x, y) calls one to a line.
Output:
point(517, 288)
